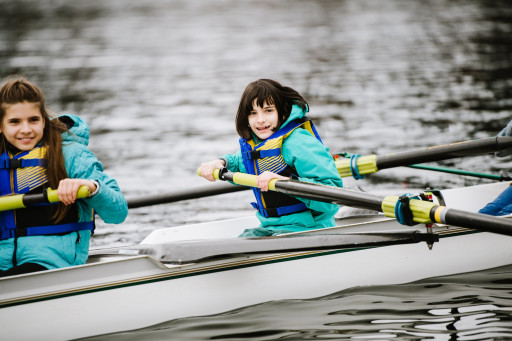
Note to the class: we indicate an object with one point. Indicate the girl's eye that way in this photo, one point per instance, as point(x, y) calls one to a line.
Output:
point(14, 121)
point(35, 119)
point(252, 113)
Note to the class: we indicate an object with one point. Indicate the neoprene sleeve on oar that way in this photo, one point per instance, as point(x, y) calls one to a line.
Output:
point(422, 211)
point(372, 163)
point(13, 202)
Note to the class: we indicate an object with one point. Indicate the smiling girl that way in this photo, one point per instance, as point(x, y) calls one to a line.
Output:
point(277, 141)
point(37, 152)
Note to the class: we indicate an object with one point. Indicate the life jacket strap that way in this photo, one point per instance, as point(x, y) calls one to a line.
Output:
point(47, 230)
point(260, 154)
point(21, 163)
point(275, 212)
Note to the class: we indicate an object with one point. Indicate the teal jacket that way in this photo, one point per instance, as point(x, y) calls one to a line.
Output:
point(313, 163)
point(57, 251)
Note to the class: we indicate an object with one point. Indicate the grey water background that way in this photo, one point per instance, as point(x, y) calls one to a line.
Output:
point(159, 82)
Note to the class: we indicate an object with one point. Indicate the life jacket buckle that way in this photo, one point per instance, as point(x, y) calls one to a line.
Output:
point(253, 154)
point(12, 163)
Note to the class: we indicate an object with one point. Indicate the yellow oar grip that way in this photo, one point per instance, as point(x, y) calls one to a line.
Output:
point(420, 209)
point(365, 164)
point(245, 179)
point(83, 192)
point(17, 201)
point(12, 202)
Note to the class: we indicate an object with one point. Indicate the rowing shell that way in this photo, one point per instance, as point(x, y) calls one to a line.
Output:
point(118, 291)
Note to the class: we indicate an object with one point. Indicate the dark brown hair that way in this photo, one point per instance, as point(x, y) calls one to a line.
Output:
point(17, 89)
point(272, 92)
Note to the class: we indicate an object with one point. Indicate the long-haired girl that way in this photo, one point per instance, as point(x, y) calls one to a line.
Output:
point(37, 152)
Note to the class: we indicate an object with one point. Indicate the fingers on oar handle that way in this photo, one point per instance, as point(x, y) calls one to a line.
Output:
point(83, 192)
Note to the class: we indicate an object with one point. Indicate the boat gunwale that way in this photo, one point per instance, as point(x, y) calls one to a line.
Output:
point(198, 269)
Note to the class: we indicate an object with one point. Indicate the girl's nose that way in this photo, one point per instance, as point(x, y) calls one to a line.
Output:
point(25, 127)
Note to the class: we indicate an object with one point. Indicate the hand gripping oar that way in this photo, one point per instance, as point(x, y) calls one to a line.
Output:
point(424, 212)
point(13, 202)
point(372, 163)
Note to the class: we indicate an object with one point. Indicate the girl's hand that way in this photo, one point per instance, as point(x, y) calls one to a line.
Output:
point(206, 169)
point(264, 178)
point(68, 189)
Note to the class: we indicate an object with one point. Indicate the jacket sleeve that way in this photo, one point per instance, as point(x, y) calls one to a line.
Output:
point(109, 203)
point(313, 163)
point(235, 163)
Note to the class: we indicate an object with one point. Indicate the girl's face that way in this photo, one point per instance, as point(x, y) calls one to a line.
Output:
point(263, 121)
point(23, 125)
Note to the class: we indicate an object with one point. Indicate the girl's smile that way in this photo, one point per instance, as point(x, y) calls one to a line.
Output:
point(23, 125)
point(263, 121)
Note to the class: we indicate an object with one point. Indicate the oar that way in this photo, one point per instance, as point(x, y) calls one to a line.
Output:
point(372, 163)
point(422, 211)
point(195, 251)
point(13, 202)
point(193, 193)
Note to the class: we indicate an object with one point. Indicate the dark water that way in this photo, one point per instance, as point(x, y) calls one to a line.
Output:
point(476, 306)
point(159, 82)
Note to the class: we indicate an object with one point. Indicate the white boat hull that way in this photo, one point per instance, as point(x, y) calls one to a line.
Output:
point(136, 292)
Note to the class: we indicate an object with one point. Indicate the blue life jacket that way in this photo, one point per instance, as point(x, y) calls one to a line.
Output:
point(22, 173)
point(267, 156)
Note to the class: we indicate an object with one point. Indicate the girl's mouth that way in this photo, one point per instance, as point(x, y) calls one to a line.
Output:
point(26, 139)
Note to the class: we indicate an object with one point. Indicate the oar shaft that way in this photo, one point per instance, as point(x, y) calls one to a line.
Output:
point(311, 191)
point(482, 222)
point(422, 211)
point(330, 194)
point(444, 152)
point(372, 163)
point(193, 193)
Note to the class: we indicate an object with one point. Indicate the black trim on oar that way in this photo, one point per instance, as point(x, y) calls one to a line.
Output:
point(35, 199)
point(193, 193)
point(196, 251)
point(422, 211)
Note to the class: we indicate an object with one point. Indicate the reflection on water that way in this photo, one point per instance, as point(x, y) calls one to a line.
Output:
point(475, 306)
point(159, 83)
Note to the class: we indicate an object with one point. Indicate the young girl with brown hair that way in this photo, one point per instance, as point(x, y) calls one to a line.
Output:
point(37, 152)
point(278, 141)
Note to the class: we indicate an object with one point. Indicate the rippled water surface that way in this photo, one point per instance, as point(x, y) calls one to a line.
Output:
point(476, 306)
point(159, 83)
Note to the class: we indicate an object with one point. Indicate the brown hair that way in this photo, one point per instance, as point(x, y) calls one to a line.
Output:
point(272, 92)
point(17, 89)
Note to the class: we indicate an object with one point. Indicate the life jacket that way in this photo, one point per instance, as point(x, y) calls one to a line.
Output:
point(267, 156)
point(22, 173)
